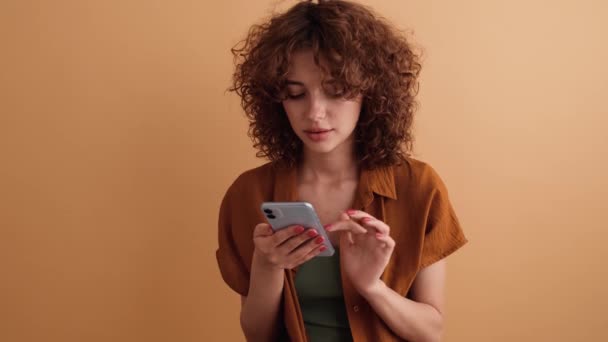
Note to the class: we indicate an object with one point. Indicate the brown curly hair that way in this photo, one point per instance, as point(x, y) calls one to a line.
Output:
point(365, 55)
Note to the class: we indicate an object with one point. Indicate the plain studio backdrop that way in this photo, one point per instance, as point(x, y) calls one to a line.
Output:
point(118, 140)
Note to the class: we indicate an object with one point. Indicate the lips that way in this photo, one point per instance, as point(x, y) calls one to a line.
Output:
point(317, 131)
point(317, 134)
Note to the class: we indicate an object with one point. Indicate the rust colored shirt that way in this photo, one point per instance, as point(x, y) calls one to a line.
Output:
point(410, 197)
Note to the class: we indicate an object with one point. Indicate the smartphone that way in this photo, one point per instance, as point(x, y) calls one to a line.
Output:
point(284, 214)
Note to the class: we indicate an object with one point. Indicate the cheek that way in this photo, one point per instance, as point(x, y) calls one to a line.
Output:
point(291, 108)
point(291, 113)
point(351, 112)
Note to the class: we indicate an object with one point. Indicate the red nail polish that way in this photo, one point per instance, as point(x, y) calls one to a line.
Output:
point(312, 233)
point(328, 227)
point(319, 239)
point(351, 211)
point(299, 229)
point(322, 248)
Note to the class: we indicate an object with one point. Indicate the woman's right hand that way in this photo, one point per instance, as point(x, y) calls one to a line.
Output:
point(286, 248)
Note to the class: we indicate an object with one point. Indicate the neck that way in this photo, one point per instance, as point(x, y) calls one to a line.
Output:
point(335, 166)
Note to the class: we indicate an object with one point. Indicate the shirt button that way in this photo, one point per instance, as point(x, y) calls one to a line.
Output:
point(356, 308)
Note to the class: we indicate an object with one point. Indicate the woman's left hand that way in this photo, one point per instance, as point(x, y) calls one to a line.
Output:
point(366, 248)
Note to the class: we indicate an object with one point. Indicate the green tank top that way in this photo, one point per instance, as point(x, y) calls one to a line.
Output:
point(319, 288)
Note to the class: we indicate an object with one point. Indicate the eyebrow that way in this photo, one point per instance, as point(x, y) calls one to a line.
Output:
point(292, 82)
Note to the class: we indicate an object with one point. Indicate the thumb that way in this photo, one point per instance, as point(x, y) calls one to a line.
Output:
point(262, 229)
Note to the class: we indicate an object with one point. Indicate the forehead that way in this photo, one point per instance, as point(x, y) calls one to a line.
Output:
point(303, 68)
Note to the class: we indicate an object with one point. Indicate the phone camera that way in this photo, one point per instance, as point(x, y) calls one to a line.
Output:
point(270, 216)
point(268, 211)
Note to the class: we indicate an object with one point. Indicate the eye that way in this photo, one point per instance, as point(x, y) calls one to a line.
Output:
point(295, 97)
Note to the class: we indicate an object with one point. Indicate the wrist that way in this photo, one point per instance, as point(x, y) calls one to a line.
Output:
point(373, 289)
point(260, 263)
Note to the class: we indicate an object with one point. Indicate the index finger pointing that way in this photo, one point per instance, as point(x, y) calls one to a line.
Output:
point(350, 226)
point(358, 214)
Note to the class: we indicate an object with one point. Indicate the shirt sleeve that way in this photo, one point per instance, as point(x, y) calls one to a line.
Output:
point(231, 265)
point(443, 233)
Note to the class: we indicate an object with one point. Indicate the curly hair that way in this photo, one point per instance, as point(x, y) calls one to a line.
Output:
point(365, 56)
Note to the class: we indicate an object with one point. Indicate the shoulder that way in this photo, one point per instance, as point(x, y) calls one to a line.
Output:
point(254, 180)
point(248, 191)
point(415, 176)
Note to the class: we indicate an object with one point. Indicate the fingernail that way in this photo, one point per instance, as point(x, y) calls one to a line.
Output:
point(351, 211)
point(319, 239)
point(312, 233)
point(378, 235)
point(322, 248)
point(366, 219)
point(299, 229)
point(328, 227)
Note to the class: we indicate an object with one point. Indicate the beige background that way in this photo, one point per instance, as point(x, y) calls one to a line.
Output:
point(117, 142)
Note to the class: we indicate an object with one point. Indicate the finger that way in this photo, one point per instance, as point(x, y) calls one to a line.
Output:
point(306, 248)
point(285, 234)
point(346, 239)
point(343, 217)
point(388, 241)
point(349, 237)
point(262, 229)
point(349, 225)
point(357, 214)
point(380, 226)
point(313, 253)
point(290, 245)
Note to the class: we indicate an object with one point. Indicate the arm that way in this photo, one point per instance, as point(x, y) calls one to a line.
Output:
point(273, 253)
point(260, 309)
point(363, 260)
point(419, 319)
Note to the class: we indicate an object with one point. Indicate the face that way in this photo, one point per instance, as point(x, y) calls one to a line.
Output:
point(323, 119)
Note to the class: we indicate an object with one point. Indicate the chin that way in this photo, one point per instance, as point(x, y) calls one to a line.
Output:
point(325, 147)
point(320, 149)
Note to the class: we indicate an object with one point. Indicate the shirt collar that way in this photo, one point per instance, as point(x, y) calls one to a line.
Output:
point(380, 180)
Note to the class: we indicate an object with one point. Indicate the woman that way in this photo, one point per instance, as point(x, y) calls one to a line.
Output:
point(329, 90)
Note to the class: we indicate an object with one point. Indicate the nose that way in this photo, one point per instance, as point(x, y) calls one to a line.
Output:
point(317, 109)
